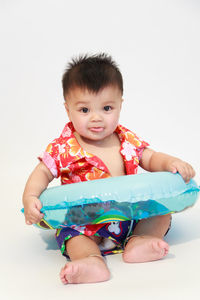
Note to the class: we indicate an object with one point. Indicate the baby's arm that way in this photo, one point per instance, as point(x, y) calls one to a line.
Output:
point(156, 161)
point(36, 184)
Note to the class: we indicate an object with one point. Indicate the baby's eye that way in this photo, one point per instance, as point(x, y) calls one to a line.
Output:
point(107, 108)
point(84, 110)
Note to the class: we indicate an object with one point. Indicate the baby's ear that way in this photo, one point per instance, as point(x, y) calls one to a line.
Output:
point(122, 100)
point(67, 109)
point(66, 106)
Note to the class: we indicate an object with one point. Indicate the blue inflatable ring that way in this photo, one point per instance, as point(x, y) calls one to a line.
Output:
point(116, 199)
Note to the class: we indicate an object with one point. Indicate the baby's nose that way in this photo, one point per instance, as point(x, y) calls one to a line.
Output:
point(95, 116)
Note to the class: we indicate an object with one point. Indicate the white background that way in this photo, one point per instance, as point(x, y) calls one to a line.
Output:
point(156, 45)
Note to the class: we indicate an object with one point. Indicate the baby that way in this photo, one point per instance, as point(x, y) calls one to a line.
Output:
point(93, 146)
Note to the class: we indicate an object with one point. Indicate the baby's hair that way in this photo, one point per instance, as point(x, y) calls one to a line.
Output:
point(92, 72)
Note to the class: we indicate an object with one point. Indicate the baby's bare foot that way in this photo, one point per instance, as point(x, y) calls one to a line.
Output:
point(145, 248)
point(86, 270)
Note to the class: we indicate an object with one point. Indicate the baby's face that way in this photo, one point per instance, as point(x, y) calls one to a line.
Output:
point(94, 116)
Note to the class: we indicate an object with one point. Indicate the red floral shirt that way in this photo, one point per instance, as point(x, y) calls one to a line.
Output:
point(64, 157)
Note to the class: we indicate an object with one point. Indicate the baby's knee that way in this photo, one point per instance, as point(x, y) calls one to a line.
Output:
point(165, 218)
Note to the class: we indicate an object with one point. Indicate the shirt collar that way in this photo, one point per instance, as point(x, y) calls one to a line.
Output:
point(80, 153)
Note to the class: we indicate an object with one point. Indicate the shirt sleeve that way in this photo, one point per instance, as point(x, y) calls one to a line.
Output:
point(138, 143)
point(141, 148)
point(50, 157)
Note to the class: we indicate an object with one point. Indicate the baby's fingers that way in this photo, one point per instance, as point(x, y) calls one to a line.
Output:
point(187, 172)
point(34, 217)
point(190, 172)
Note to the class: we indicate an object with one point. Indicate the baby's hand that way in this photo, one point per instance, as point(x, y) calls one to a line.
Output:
point(183, 168)
point(32, 207)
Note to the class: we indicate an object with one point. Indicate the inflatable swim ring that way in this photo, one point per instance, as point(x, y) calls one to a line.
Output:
point(116, 199)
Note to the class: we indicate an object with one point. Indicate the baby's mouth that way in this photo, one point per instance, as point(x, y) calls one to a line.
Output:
point(96, 129)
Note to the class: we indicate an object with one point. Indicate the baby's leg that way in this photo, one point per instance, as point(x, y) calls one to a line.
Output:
point(87, 265)
point(147, 243)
